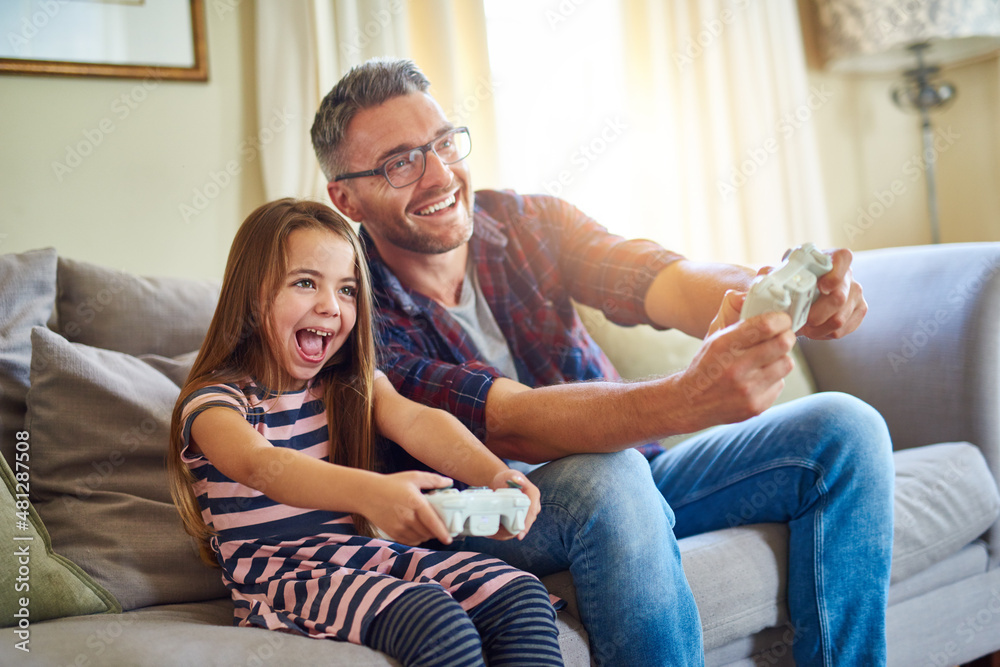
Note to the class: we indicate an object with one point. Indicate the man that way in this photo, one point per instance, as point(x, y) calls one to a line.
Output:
point(474, 296)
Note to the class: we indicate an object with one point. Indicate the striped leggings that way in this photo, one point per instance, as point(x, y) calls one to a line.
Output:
point(425, 626)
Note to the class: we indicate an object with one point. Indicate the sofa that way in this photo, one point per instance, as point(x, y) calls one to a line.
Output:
point(98, 571)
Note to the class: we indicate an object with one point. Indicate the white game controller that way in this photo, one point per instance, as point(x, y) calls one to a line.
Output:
point(480, 511)
point(790, 288)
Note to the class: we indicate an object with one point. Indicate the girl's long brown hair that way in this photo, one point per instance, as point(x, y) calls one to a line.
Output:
point(237, 346)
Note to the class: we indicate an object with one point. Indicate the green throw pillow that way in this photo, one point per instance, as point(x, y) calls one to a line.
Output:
point(52, 586)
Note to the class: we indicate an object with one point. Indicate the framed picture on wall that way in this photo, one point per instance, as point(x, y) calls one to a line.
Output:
point(112, 38)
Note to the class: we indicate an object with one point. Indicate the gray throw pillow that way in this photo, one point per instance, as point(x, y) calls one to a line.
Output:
point(27, 299)
point(117, 310)
point(99, 423)
point(945, 497)
point(176, 368)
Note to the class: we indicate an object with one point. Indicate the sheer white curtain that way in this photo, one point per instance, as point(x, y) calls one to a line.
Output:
point(304, 46)
point(732, 104)
point(684, 121)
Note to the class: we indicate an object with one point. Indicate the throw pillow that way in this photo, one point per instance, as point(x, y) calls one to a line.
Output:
point(27, 299)
point(99, 422)
point(945, 497)
point(38, 584)
point(117, 310)
point(176, 368)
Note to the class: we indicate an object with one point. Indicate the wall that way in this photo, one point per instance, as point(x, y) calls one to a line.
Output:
point(872, 155)
point(132, 173)
point(874, 166)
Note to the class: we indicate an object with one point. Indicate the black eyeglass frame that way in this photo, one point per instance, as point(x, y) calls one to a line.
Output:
point(383, 169)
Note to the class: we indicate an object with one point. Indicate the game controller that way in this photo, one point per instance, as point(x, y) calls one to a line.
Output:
point(790, 288)
point(480, 511)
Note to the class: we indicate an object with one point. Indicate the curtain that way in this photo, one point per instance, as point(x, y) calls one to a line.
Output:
point(303, 47)
point(720, 87)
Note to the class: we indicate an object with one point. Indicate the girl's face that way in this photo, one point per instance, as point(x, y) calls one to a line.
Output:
point(315, 308)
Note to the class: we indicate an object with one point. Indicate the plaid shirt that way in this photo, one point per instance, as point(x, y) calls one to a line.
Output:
point(532, 254)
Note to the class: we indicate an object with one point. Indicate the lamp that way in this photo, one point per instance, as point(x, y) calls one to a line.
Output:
point(875, 36)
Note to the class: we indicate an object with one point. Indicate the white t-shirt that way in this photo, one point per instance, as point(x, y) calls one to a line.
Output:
point(476, 318)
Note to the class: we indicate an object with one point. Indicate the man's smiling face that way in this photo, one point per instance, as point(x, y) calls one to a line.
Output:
point(431, 216)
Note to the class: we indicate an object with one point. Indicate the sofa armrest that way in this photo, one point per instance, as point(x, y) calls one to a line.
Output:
point(928, 353)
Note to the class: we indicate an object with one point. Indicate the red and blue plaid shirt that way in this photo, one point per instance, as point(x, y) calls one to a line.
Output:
point(532, 255)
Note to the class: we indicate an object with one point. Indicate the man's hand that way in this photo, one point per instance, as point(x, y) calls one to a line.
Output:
point(740, 369)
point(841, 306)
point(838, 310)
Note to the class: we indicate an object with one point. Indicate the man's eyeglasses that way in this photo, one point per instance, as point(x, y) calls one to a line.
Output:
point(408, 167)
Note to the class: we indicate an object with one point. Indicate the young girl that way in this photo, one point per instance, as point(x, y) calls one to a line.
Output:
point(272, 466)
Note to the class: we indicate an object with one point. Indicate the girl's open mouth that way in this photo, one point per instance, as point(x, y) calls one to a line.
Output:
point(312, 343)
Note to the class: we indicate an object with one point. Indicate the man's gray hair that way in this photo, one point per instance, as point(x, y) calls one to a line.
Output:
point(364, 86)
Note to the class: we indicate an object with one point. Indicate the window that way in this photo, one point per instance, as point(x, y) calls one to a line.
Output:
point(562, 121)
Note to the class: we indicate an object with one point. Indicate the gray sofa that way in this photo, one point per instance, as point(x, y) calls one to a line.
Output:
point(102, 573)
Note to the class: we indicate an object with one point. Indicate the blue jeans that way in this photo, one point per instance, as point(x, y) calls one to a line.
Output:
point(821, 464)
point(603, 519)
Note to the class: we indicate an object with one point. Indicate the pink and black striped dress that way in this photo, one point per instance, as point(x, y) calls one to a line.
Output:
point(307, 571)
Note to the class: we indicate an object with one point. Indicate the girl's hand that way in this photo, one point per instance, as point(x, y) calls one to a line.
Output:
point(400, 509)
point(529, 489)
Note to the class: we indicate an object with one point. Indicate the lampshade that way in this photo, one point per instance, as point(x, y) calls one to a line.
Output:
point(873, 35)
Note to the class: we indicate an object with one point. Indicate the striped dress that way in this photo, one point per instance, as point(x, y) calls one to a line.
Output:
point(307, 571)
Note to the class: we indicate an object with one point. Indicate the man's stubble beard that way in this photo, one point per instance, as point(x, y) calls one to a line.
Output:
point(415, 240)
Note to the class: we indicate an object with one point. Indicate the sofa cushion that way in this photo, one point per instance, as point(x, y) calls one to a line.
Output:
point(202, 634)
point(51, 585)
point(737, 577)
point(99, 423)
point(176, 368)
point(945, 497)
point(27, 299)
point(117, 310)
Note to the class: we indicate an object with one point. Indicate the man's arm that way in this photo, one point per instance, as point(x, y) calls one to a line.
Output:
point(686, 295)
point(736, 374)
